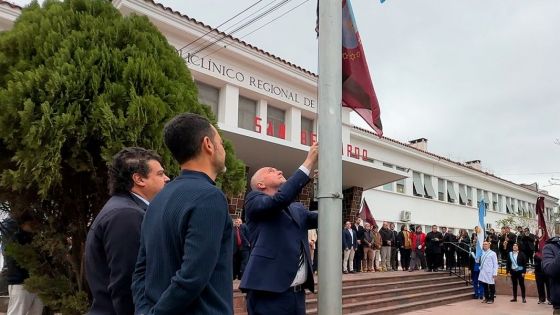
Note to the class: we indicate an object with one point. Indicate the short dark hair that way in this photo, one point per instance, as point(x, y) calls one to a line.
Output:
point(184, 133)
point(127, 162)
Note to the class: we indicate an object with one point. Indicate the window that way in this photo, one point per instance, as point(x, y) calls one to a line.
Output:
point(451, 195)
point(441, 189)
point(508, 205)
point(462, 195)
point(209, 96)
point(486, 200)
point(402, 169)
point(469, 196)
point(428, 187)
point(247, 114)
point(388, 187)
point(388, 165)
point(400, 186)
point(417, 187)
point(494, 201)
point(513, 207)
point(276, 123)
point(307, 134)
point(500, 204)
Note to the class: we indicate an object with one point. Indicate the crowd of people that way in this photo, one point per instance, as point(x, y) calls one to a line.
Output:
point(367, 249)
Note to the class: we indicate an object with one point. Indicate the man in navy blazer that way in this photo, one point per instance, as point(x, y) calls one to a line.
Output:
point(241, 247)
point(135, 177)
point(279, 267)
point(349, 245)
point(184, 262)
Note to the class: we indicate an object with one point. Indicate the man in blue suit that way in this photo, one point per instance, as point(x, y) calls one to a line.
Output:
point(349, 242)
point(241, 247)
point(279, 267)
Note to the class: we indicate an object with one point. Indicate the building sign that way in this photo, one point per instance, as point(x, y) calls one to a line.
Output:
point(231, 74)
point(356, 152)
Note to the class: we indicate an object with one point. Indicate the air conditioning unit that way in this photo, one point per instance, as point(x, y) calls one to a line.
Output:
point(488, 226)
point(405, 216)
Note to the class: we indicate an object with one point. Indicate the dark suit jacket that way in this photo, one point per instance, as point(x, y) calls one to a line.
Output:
point(348, 240)
point(111, 250)
point(521, 262)
point(278, 231)
point(433, 246)
point(359, 231)
point(244, 234)
point(184, 263)
point(449, 238)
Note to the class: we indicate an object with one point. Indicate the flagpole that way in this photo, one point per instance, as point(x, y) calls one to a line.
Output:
point(330, 160)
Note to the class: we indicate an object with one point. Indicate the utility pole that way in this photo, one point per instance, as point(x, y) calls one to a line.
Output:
point(330, 160)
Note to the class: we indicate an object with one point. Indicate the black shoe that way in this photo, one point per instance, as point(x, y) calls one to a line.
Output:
point(490, 302)
point(513, 300)
point(345, 272)
point(352, 271)
point(524, 301)
point(484, 301)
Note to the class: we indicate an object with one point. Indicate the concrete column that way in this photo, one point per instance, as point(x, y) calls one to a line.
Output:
point(228, 105)
point(293, 125)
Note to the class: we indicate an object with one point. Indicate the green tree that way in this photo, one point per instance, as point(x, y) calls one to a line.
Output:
point(78, 82)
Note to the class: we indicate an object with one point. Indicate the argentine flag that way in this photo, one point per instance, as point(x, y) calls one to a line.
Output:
point(480, 229)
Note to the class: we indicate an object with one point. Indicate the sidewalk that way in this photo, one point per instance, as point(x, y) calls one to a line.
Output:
point(502, 306)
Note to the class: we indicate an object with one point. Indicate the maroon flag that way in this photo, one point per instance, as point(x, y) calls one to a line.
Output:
point(357, 87)
point(542, 232)
point(365, 214)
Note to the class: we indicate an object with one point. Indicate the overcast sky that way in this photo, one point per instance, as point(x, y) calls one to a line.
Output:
point(479, 79)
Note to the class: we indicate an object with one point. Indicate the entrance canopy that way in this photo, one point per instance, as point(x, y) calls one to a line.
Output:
point(258, 152)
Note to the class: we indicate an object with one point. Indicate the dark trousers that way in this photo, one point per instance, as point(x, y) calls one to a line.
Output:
point(529, 254)
point(450, 260)
point(240, 258)
point(405, 258)
point(434, 260)
point(542, 286)
point(489, 291)
point(358, 256)
point(463, 259)
point(270, 303)
point(516, 277)
point(394, 258)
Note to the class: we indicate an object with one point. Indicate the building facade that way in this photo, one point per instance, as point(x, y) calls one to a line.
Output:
point(267, 107)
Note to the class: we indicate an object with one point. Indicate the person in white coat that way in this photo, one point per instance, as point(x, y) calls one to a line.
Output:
point(488, 272)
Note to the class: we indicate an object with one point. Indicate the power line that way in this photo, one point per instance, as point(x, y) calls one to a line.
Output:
point(276, 7)
point(227, 21)
point(271, 21)
point(262, 26)
point(218, 34)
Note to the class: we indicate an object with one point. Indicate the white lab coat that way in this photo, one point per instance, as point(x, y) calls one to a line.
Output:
point(488, 267)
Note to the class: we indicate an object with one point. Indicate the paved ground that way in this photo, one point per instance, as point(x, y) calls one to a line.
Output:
point(502, 306)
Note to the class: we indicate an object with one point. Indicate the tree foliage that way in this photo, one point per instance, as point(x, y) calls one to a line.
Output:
point(78, 82)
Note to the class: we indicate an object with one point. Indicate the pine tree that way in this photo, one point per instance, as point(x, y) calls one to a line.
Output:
point(78, 82)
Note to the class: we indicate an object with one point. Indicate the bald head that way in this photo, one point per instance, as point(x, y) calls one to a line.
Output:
point(268, 180)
